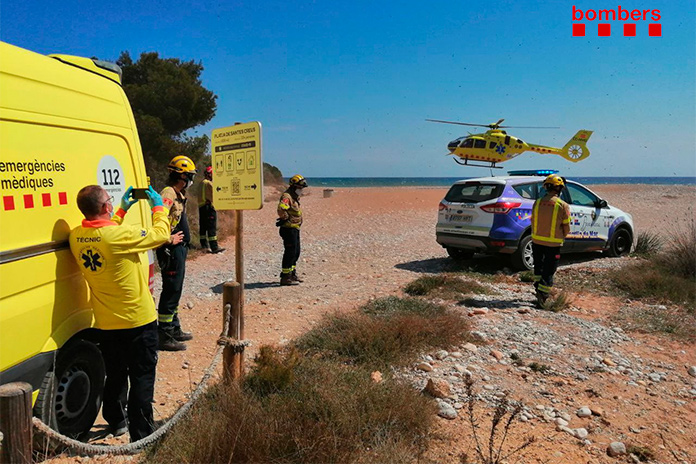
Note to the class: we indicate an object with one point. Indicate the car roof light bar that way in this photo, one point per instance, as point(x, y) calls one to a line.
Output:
point(533, 172)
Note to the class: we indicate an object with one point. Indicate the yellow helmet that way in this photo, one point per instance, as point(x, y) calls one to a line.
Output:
point(555, 180)
point(182, 164)
point(298, 180)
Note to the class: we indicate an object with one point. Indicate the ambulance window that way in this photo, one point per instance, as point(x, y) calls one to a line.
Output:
point(581, 196)
point(492, 145)
point(479, 143)
point(468, 143)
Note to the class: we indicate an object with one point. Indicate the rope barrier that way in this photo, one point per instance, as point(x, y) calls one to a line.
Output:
point(136, 447)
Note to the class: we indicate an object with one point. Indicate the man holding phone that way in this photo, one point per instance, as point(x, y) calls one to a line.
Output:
point(110, 257)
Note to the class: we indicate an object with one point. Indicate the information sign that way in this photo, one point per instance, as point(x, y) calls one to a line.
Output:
point(238, 167)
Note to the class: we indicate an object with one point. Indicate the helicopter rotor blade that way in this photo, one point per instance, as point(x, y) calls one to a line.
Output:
point(527, 127)
point(458, 123)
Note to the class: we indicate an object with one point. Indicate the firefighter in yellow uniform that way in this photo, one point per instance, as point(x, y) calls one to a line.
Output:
point(207, 215)
point(290, 221)
point(172, 258)
point(550, 226)
point(109, 256)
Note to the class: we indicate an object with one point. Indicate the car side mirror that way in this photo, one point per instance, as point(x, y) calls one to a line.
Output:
point(601, 204)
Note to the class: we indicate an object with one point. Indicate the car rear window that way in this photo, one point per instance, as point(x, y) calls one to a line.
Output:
point(473, 192)
point(529, 191)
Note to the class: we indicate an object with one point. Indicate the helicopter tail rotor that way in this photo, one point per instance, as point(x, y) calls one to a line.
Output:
point(576, 149)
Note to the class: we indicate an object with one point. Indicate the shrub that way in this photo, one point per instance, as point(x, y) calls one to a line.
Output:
point(445, 286)
point(650, 279)
point(648, 243)
point(387, 331)
point(527, 276)
point(558, 303)
point(680, 256)
point(327, 413)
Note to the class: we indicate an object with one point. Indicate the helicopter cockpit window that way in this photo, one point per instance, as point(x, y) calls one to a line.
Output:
point(491, 145)
point(468, 143)
point(479, 143)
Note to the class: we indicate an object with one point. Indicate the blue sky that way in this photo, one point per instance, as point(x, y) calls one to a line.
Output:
point(344, 88)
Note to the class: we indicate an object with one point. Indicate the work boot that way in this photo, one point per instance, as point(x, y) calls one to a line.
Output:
point(294, 277)
point(214, 248)
point(204, 244)
point(167, 342)
point(181, 336)
point(286, 279)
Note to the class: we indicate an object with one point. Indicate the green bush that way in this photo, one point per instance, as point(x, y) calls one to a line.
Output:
point(648, 243)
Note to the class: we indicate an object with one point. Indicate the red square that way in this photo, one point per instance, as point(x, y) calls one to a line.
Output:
point(578, 29)
point(29, 201)
point(8, 203)
point(604, 30)
point(629, 30)
point(655, 30)
point(46, 197)
point(63, 198)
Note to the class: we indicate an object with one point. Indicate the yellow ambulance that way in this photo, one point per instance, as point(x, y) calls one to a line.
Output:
point(65, 122)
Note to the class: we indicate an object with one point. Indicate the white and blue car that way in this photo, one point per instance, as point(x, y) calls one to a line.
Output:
point(493, 215)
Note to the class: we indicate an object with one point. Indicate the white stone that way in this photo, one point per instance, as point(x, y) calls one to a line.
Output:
point(692, 371)
point(581, 433)
point(616, 449)
point(584, 412)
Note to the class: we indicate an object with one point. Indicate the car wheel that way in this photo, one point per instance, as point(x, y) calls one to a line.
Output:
point(522, 258)
point(459, 255)
point(620, 243)
point(70, 396)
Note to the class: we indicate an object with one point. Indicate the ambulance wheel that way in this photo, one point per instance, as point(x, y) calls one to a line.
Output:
point(620, 243)
point(71, 395)
point(522, 259)
point(458, 254)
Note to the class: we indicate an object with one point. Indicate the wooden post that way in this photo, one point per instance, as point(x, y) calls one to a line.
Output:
point(15, 423)
point(239, 267)
point(233, 358)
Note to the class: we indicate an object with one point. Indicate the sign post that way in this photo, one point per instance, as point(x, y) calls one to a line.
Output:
point(237, 185)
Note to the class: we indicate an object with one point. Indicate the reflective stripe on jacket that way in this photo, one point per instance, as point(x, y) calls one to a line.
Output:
point(548, 216)
point(289, 211)
point(112, 260)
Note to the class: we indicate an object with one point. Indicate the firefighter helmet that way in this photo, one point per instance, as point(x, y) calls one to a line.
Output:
point(209, 170)
point(554, 180)
point(182, 164)
point(298, 181)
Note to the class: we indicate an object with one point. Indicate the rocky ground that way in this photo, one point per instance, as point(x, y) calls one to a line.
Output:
point(368, 243)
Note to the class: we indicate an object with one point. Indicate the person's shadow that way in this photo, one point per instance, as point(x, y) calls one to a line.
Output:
point(217, 289)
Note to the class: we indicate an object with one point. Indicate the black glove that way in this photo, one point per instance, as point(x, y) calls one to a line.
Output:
point(279, 222)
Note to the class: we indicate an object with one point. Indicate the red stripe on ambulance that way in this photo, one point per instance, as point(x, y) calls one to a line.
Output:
point(8, 201)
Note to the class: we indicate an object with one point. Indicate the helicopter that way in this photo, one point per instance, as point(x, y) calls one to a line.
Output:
point(496, 146)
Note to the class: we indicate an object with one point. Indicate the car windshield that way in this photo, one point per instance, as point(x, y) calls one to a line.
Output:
point(473, 192)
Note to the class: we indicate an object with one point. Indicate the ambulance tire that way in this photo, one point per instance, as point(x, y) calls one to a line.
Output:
point(70, 396)
point(522, 259)
point(458, 254)
point(620, 243)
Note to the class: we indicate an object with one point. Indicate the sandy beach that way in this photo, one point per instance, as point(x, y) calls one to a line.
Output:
point(365, 243)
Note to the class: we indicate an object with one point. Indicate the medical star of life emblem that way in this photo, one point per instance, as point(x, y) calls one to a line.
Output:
point(500, 149)
point(92, 260)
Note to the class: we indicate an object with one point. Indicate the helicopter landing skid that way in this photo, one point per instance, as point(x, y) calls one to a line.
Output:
point(467, 162)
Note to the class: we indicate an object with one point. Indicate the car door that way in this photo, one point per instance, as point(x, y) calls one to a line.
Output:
point(589, 222)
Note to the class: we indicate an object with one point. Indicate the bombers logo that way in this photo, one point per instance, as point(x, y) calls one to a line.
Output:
point(92, 260)
point(629, 17)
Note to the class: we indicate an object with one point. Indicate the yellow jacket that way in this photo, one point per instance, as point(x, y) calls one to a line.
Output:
point(289, 211)
point(109, 256)
point(550, 221)
point(205, 194)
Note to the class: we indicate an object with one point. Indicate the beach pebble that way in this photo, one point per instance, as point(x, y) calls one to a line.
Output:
point(446, 411)
point(692, 371)
point(616, 449)
point(584, 412)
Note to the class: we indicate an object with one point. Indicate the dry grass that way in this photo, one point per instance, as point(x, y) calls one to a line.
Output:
point(648, 243)
point(313, 411)
point(386, 332)
point(444, 286)
point(558, 303)
point(676, 322)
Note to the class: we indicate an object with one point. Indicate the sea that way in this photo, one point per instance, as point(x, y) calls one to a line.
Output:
point(447, 181)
